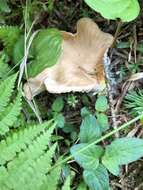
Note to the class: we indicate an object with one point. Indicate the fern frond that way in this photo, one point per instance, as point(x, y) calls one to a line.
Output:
point(30, 172)
point(25, 155)
point(9, 116)
point(33, 151)
point(51, 180)
point(3, 177)
point(9, 35)
point(4, 68)
point(6, 88)
point(67, 184)
point(134, 102)
point(19, 141)
point(43, 164)
point(30, 166)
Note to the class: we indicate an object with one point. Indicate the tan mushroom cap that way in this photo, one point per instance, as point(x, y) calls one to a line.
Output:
point(80, 67)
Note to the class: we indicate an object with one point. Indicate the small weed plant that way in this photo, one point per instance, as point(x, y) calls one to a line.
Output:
point(98, 160)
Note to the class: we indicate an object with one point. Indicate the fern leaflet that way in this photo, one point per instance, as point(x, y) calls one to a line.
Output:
point(9, 35)
point(51, 180)
point(19, 141)
point(32, 165)
point(4, 68)
point(9, 116)
point(67, 184)
point(6, 88)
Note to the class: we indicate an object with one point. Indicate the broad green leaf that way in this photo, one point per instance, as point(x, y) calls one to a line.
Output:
point(88, 158)
point(58, 104)
point(131, 12)
point(122, 151)
point(67, 184)
point(89, 129)
point(46, 50)
point(85, 112)
point(97, 179)
point(60, 120)
point(74, 136)
point(66, 171)
point(4, 6)
point(68, 128)
point(103, 121)
point(125, 10)
point(82, 186)
point(18, 51)
point(85, 100)
point(101, 104)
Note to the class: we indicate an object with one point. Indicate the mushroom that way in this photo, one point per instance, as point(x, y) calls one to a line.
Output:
point(80, 67)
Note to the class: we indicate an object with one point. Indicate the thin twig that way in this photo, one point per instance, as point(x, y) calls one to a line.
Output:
point(135, 43)
point(119, 26)
point(124, 92)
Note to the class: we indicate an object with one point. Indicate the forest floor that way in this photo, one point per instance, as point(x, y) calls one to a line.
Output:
point(126, 59)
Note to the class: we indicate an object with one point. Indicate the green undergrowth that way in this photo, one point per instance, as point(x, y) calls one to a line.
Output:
point(73, 147)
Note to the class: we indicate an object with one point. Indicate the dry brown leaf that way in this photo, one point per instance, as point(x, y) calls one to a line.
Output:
point(80, 66)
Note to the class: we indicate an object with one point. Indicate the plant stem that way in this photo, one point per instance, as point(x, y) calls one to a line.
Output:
point(119, 26)
point(100, 139)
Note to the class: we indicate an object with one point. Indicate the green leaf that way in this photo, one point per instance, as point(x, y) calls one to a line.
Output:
point(89, 130)
point(58, 104)
point(82, 186)
point(6, 89)
point(125, 10)
point(122, 151)
point(134, 102)
point(52, 179)
point(19, 140)
point(4, 6)
point(50, 6)
point(32, 162)
point(123, 45)
point(18, 51)
point(46, 51)
point(101, 104)
point(67, 184)
point(88, 158)
point(103, 121)
point(60, 120)
point(85, 112)
point(4, 67)
point(97, 179)
point(10, 115)
point(66, 170)
point(9, 36)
